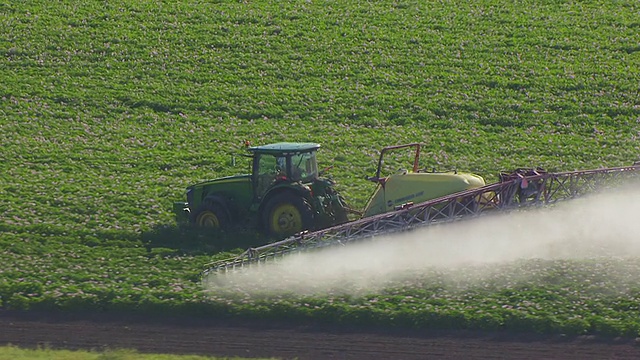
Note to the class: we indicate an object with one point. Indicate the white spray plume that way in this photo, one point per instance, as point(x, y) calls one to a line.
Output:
point(599, 225)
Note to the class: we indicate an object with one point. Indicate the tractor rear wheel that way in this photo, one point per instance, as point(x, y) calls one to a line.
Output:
point(287, 214)
point(211, 216)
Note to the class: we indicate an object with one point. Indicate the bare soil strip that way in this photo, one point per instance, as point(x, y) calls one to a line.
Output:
point(259, 339)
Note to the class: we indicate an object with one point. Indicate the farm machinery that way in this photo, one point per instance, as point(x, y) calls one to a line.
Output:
point(285, 193)
point(282, 196)
point(403, 200)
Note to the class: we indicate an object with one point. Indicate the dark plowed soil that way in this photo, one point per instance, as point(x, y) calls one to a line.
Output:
point(255, 339)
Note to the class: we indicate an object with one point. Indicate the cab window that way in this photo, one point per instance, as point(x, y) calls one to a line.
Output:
point(304, 167)
point(270, 168)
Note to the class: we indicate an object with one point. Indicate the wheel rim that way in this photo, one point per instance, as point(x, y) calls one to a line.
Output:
point(208, 219)
point(286, 219)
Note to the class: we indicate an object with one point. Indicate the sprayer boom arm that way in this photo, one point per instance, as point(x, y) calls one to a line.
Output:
point(518, 189)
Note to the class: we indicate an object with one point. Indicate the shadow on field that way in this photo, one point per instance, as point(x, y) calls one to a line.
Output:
point(193, 241)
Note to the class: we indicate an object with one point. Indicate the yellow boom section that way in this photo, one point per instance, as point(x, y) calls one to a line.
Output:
point(402, 188)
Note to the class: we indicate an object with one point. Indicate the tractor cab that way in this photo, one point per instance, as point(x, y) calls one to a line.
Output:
point(283, 163)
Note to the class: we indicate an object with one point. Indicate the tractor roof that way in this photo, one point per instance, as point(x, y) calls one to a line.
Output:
point(284, 148)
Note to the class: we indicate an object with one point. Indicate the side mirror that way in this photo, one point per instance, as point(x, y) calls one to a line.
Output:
point(321, 172)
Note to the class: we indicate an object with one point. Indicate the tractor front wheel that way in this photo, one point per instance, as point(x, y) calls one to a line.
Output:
point(211, 216)
point(287, 214)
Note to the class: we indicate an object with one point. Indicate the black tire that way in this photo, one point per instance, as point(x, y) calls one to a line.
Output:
point(287, 214)
point(210, 216)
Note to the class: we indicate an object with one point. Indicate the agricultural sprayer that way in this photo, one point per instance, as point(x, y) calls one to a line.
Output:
point(410, 199)
point(285, 194)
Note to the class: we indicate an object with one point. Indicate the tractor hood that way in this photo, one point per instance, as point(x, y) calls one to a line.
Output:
point(232, 189)
point(223, 180)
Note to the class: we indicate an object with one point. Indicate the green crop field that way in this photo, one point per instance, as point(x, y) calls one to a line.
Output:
point(108, 110)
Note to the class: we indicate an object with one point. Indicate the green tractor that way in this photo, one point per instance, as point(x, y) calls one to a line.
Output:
point(283, 195)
